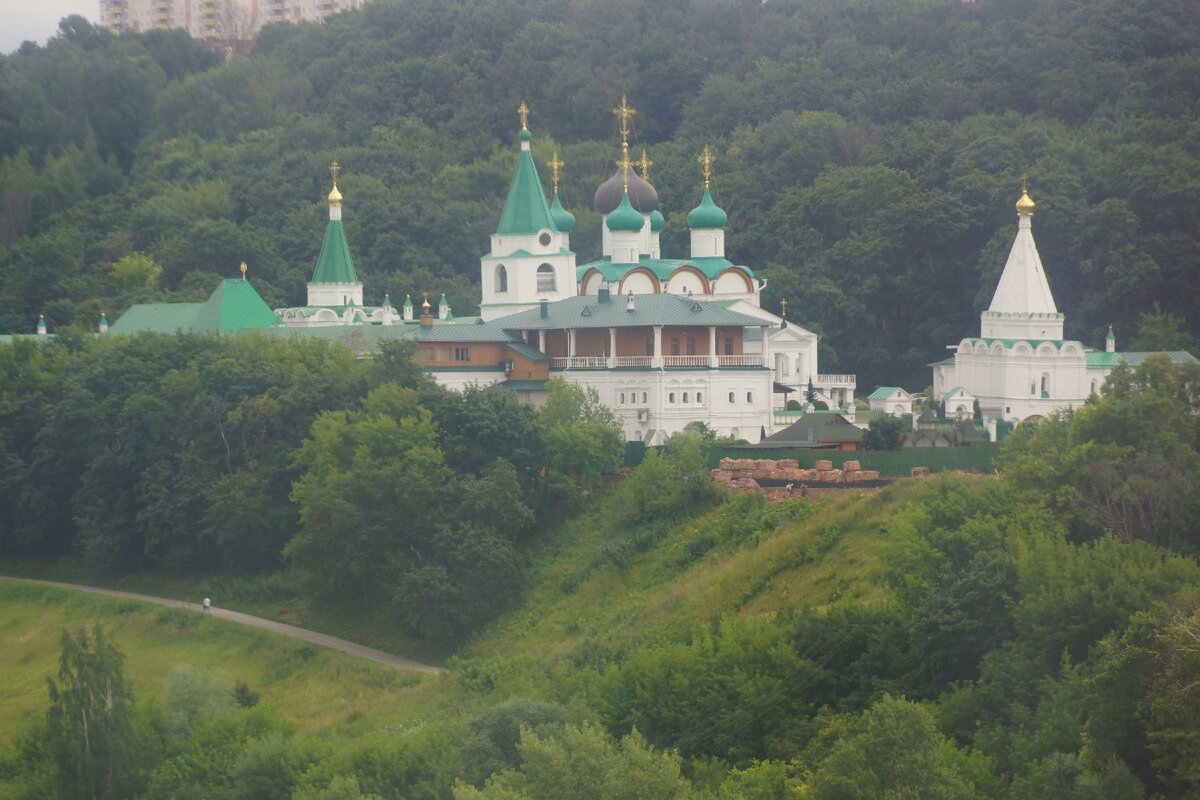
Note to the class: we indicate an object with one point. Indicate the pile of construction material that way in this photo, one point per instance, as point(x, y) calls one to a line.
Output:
point(753, 473)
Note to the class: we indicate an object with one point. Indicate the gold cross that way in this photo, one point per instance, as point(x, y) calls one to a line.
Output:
point(624, 113)
point(425, 305)
point(523, 110)
point(645, 163)
point(555, 165)
point(783, 304)
point(334, 171)
point(625, 164)
point(1024, 189)
point(243, 268)
point(706, 161)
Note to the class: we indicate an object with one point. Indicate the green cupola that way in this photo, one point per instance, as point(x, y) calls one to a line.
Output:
point(563, 219)
point(525, 211)
point(657, 220)
point(708, 214)
point(624, 217)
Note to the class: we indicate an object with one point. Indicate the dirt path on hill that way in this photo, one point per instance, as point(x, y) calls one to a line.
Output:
point(350, 648)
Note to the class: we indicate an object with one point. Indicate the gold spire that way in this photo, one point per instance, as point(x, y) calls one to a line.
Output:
point(335, 197)
point(645, 163)
point(1025, 204)
point(625, 165)
point(783, 305)
point(523, 111)
point(555, 166)
point(706, 161)
point(243, 269)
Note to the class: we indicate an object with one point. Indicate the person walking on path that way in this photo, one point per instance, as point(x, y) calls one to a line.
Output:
point(207, 604)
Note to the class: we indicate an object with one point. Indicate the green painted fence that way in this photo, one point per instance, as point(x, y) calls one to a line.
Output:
point(892, 463)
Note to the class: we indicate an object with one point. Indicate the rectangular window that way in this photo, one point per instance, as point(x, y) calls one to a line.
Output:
point(691, 345)
point(728, 345)
point(462, 354)
point(674, 345)
point(650, 345)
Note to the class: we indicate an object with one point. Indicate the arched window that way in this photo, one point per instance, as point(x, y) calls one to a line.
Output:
point(685, 397)
point(501, 279)
point(1045, 384)
point(749, 397)
point(644, 396)
point(671, 397)
point(732, 399)
point(699, 397)
point(622, 398)
point(1093, 386)
point(545, 278)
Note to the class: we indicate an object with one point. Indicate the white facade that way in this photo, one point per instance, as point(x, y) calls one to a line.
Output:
point(896, 402)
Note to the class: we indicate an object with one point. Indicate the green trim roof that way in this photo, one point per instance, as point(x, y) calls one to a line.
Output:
point(524, 386)
point(708, 214)
point(649, 309)
point(529, 351)
point(334, 265)
point(525, 210)
point(946, 395)
point(710, 266)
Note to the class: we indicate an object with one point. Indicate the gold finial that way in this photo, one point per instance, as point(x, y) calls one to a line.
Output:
point(425, 305)
point(335, 197)
point(523, 111)
point(645, 163)
point(1025, 204)
point(555, 166)
point(783, 305)
point(625, 113)
point(243, 269)
point(706, 161)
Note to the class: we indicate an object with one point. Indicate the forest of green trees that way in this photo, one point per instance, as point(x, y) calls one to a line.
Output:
point(868, 155)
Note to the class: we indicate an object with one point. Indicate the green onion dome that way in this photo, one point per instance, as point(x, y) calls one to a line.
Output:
point(707, 214)
point(657, 220)
point(563, 220)
point(625, 218)
point(525, 135)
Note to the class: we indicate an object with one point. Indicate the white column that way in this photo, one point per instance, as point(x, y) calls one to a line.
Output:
point(657, 361)
point(766, 345)
point(712, 347)
point(570, 342)
point(542, 339)
point(612, 347)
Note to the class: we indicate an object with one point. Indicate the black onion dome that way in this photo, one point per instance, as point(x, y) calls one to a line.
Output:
point(642, 195)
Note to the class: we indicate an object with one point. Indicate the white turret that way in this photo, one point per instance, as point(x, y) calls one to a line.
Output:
point(1022, 307)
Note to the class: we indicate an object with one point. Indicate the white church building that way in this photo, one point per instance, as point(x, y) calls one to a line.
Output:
point(1021, 368)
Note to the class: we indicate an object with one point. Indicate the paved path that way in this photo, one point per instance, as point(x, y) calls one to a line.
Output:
point(257, 622)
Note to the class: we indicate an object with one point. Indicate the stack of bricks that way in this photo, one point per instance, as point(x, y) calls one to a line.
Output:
point(745, 473)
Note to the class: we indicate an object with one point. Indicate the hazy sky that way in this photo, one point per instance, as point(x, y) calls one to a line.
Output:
point(38, 19)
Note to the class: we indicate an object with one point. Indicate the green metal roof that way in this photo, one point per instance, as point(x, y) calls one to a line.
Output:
point(529, 351)
point(814, 429)
point(625, 217)
point(710, 266)
point(649, 309)
point(884, 392)
point(1101, 360)
point(334, 265)
point(946, 395)
point(524, 386)
point(945, 362)
point(234, 305)
point(525, 210)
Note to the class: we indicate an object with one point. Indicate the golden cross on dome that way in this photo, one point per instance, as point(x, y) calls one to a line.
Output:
point(624, 113)
point(555, 166)
point(1024, 188)
point(334, 171)
point(783, 305)
point(425, 305)
point(243, 269)
point(625, 164)
point(523, 111)
point(645, 163)
point(706, 161)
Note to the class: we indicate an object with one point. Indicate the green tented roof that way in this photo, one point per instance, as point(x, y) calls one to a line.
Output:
point(334, 265)
point(649, 309)
point(710, 266)
point(525, 210)
point(233, 306)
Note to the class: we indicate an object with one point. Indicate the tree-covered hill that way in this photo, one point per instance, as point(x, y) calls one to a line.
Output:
point(869, 154)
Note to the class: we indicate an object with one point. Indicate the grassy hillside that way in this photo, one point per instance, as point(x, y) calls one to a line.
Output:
point(311, 687)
